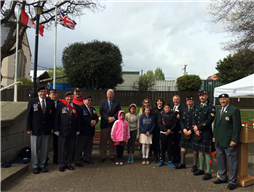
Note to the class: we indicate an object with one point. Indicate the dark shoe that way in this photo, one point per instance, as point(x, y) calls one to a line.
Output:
point(70, 167)
point(181, 166)
point(194, 168)
point(79, 164)
point(46, 163)
point(113, 159)
point(61, 169)
point(43, 169)
point(55, 161)
point(207, 176)
point(155, 160)
point(101, 160)
point(231, 186)
point(218, 181)
point(199, 172)
point(36, 171)
point(88, 161)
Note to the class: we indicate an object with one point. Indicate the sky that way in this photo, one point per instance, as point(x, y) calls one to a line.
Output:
point(149, 34)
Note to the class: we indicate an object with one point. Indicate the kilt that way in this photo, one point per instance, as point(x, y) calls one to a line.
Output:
point(204, 145)
point(187, 144)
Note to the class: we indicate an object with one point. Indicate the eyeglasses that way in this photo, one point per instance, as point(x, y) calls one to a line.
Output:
point(146, 102)
point(90, 100)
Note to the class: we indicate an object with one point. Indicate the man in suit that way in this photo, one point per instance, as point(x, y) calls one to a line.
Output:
point(202, 120)
point(40, 118)
point(109, 112)
point(177, 108)
point(227, 128)
point(67, 126)
point(53, 97)
point(89, 119)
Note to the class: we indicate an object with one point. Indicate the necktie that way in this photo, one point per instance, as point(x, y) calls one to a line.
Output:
point(43, 107)
point(174, 108)
point(222, 111)
point(110, 102)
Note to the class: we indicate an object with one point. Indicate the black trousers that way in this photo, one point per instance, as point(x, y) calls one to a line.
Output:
point(65, 150)
point(119, 151)
point(55, 147)
point(176, 149)
point(165, 145)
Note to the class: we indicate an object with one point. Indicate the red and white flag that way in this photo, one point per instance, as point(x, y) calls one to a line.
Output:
point(26, 20)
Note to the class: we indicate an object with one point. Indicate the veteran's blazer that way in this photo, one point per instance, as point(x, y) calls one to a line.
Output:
point(203, 118)
point(86, 119)
point(228, 127)
point(186, 119)
point(67, 124)
point(37, 121)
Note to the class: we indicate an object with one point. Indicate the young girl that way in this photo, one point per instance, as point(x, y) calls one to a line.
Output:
point(146, 124)
point(133, 120)
point(120, 134)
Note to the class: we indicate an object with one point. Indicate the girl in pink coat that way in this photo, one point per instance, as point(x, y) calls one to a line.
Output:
point(120, 134)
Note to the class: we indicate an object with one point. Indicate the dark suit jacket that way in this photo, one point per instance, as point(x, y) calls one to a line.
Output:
point(178, 115)
point(203, 117)
point(186, 119)
point(228, 127)
point(64, 123)
point(105, 113)
point(86, 119)
point(37, 121)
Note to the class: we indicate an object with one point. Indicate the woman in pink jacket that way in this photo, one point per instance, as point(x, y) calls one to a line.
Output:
point(120, 134)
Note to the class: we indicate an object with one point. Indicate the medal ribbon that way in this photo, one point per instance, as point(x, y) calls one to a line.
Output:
point(70, 108)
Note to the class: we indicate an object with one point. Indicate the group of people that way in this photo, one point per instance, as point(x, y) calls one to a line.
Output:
point(164, 128)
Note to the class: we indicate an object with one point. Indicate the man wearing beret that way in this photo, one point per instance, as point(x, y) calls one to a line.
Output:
point(202, 125)
point(53, 97)
point(188, 135)
point(40, 121)
point(67, 126)
point(78, 98)
point(109, 109)
point(227, 128)
point(89, 119)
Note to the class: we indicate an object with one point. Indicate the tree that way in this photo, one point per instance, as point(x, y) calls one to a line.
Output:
point(236, 66)
point(59, 72)
point(146, 81)
point(94, 65)
point(238, 19)
point(188, 83)
point(27, 83)
point(71, 8)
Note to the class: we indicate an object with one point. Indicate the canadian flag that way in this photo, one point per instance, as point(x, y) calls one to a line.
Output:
point(26, 20)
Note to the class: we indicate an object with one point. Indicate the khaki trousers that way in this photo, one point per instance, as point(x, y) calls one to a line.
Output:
point(105, 136)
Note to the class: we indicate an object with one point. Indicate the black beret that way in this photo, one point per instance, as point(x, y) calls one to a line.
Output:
point(189, 97)
point(53, 91)
point(77, 89)
point(41, 88)
point(202, 92)
point(68, 93)
point(224, 95)
point(87, 97)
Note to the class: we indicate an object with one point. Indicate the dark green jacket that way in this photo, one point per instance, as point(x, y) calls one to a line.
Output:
point(228, 127)
point(203, 117)
point(186, 119)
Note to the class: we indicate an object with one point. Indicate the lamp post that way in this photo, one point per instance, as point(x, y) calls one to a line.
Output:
point(38, 10)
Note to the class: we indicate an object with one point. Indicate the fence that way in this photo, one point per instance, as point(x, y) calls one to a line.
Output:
point(126, 97)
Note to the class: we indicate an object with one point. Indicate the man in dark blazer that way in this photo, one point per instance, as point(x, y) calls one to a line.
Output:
point(227, 128)
point(40, 118)
point(67, 126)
point(89, 119)
point(177, 108)
point(53, 97)
point(109, 112)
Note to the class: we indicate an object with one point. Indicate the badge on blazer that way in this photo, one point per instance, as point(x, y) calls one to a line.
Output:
point(212, 114)
point(35, 107)
point(64, 110)
point(85, 112)
point(94, 112)
point(227, 118)
point(178, 116)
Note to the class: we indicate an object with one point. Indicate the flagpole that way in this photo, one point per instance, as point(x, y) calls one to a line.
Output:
point(16, 62)
point(54, 75)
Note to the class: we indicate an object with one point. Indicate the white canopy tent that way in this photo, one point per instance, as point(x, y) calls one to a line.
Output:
point(242, 88)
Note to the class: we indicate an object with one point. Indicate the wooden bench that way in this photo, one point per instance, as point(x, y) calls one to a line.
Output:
point(97, 137)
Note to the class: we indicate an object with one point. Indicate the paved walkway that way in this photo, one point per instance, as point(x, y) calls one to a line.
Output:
point(109, 177)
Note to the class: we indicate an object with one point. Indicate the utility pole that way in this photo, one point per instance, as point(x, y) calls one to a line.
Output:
point(184, 69)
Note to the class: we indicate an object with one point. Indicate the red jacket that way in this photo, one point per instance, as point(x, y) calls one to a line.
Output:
point(78, 102)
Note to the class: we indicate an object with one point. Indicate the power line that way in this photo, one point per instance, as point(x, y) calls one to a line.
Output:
point(41, 66)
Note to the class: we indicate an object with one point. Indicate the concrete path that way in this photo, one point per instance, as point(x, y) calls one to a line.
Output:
point(109, 177)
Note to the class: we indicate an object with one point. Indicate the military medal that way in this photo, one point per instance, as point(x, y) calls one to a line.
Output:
point(50, 111)
point(212, 114)
point(227, 118)
point(73, 110)
point(178, 116)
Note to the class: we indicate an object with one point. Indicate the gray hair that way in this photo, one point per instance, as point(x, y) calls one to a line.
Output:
point(110, 90)
point(176, 96)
